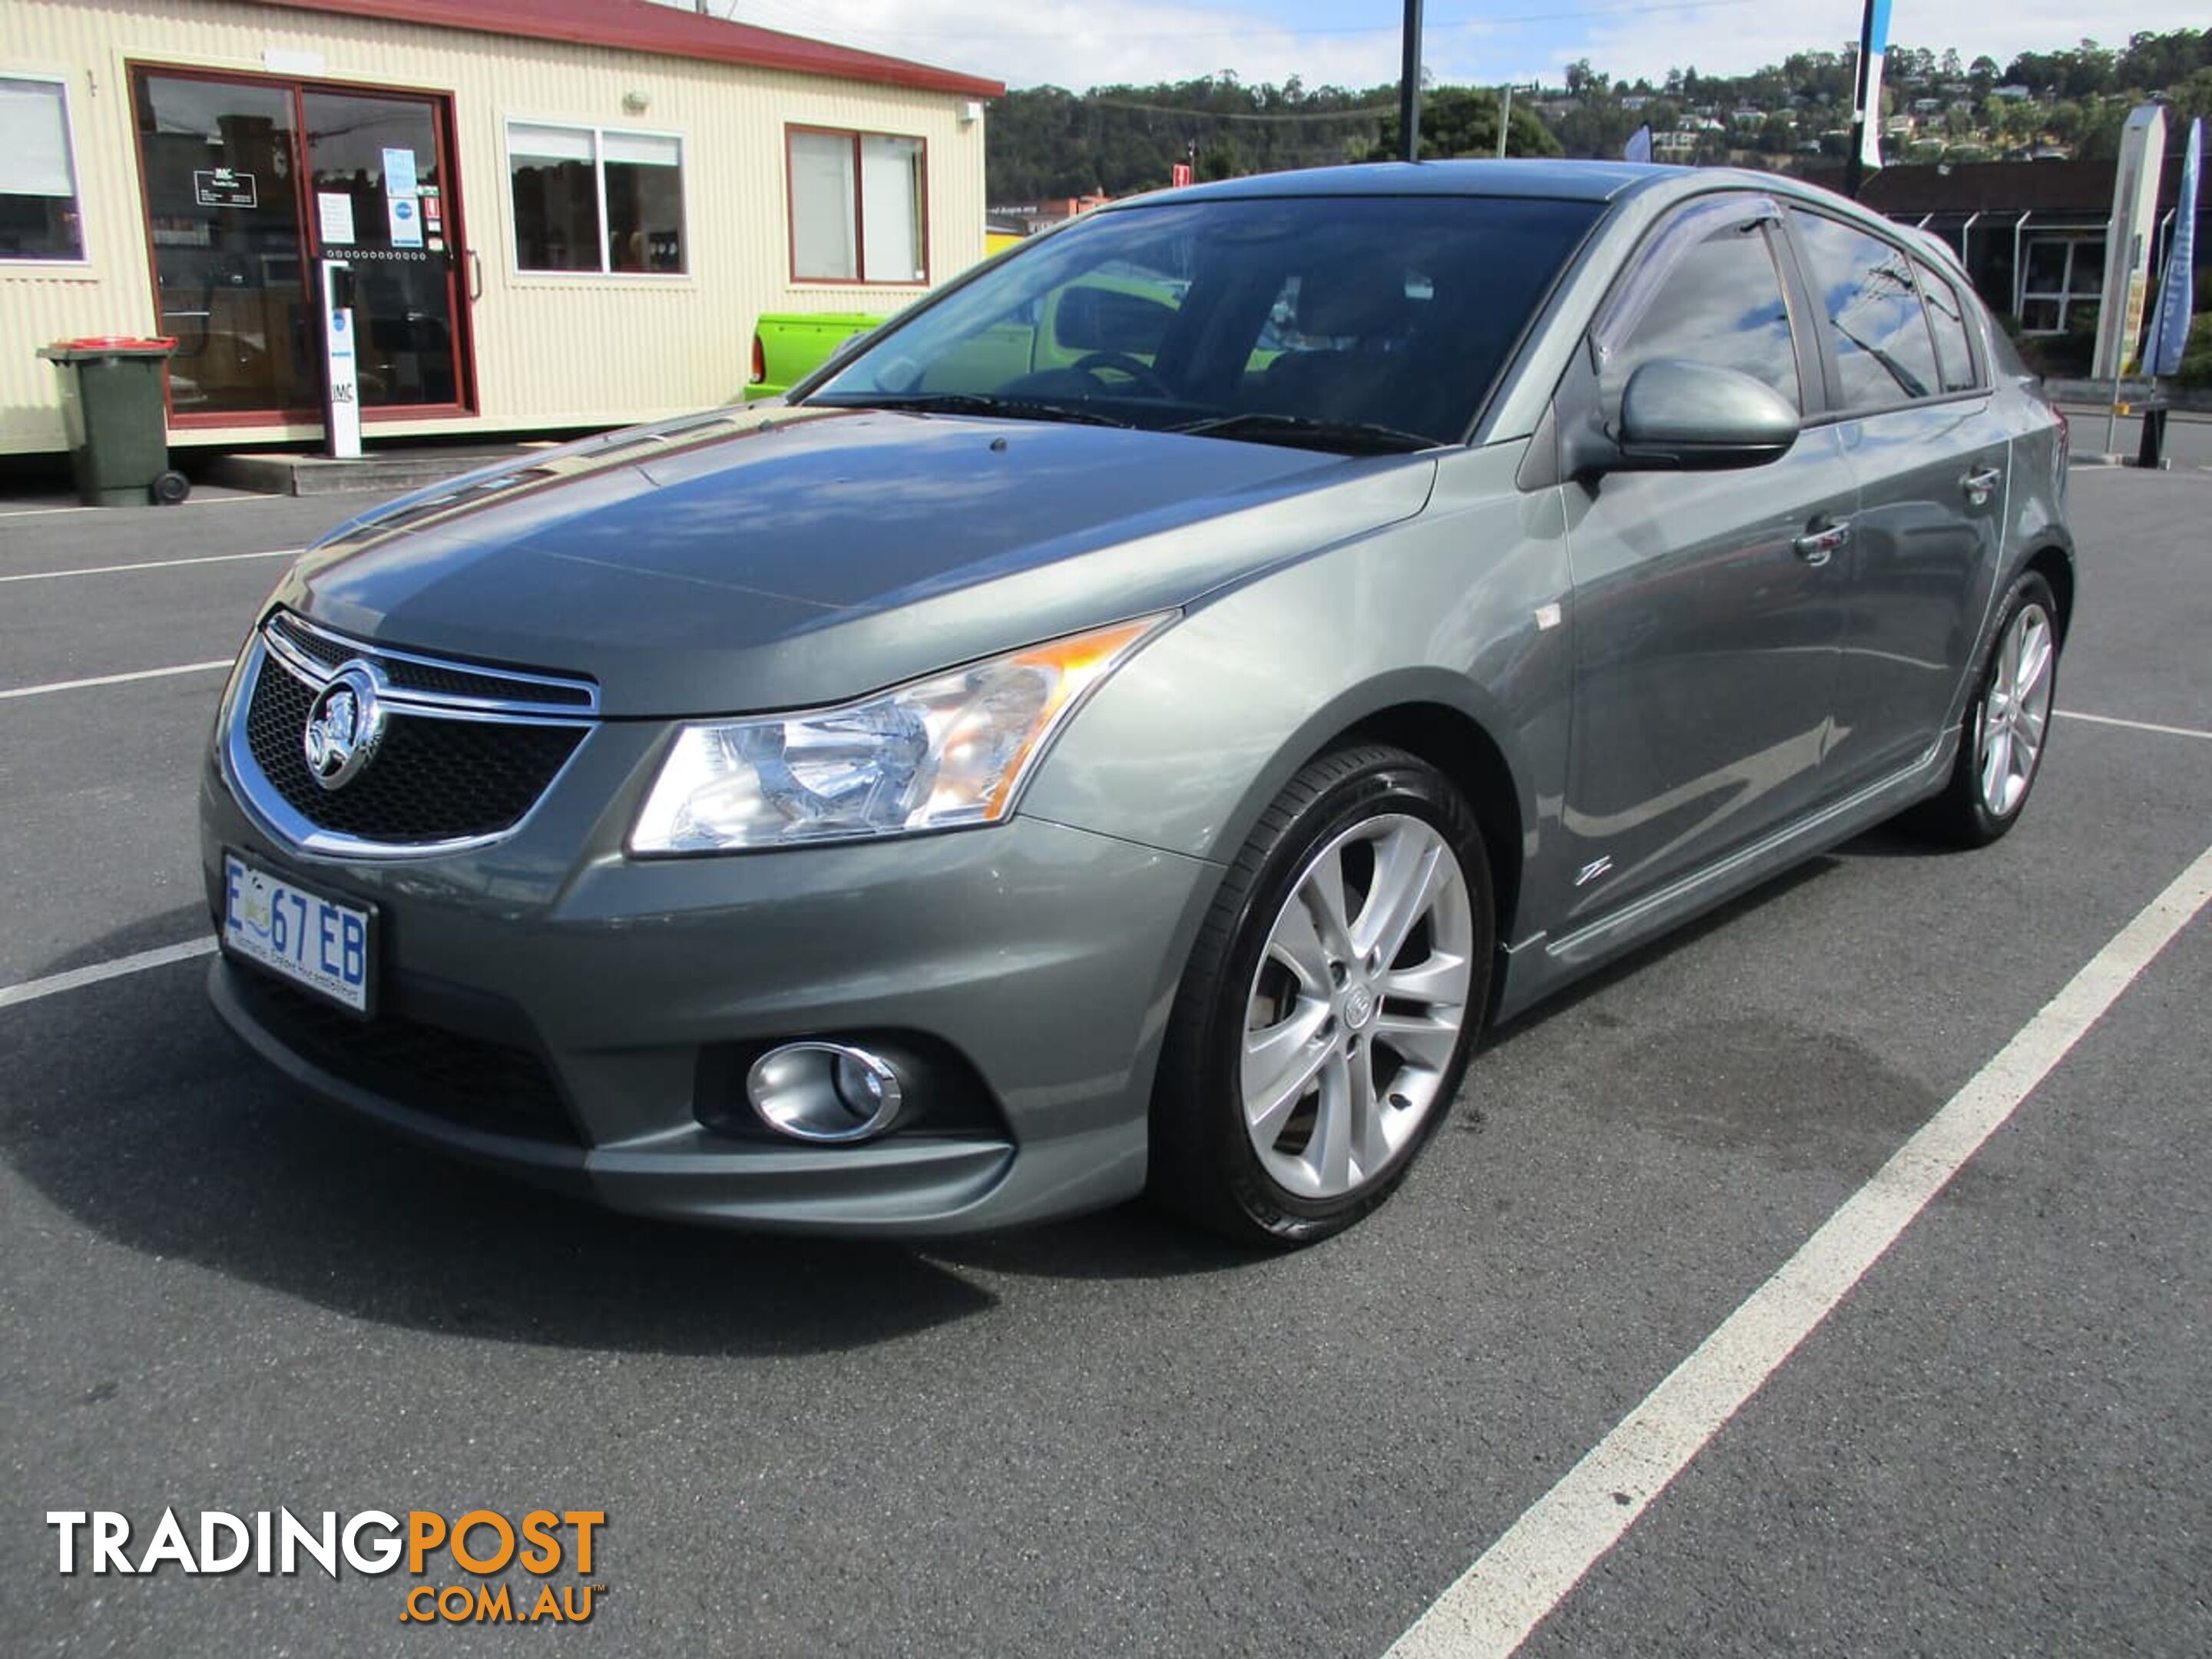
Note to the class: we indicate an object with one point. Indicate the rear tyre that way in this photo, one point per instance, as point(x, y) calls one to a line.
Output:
point(1324, 1021)
point(2001, 741)
point(169, 487)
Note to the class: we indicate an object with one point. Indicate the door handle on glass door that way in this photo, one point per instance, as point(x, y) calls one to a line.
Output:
point(1980, 486)
point(476, 276)
point(1820, 543)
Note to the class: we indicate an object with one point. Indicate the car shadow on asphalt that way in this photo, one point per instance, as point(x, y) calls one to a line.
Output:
point(129, 1109)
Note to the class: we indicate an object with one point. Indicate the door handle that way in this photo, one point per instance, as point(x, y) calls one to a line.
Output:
point(1823, 540)
point(476, 276)
point(1981, 485)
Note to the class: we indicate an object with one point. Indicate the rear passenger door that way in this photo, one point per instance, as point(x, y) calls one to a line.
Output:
point(1909, 392)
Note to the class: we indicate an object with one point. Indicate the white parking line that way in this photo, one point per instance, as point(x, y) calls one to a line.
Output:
point(31, 990)
point(148, 564)
point(2135, 726)
point(1492, 1608)
point(114, 679)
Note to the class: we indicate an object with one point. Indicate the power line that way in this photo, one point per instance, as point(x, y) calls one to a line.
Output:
point(1364, 113)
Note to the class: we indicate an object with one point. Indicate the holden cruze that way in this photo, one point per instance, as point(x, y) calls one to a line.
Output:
point(1130, 723)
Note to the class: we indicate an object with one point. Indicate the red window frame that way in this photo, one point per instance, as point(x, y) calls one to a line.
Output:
point(791, 130)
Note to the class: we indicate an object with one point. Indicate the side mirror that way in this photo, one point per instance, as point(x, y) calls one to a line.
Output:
point(1684, 417)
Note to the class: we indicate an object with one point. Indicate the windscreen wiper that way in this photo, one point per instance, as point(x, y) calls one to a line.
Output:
point(1266, 426)
point(972, 403)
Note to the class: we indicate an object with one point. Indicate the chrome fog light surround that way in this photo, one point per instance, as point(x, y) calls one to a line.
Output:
point(825, 1092)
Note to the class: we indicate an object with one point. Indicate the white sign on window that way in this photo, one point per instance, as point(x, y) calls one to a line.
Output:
point(334, 213)
point(399, 173)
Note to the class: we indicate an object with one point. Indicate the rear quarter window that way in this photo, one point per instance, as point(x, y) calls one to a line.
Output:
point(1946, 318)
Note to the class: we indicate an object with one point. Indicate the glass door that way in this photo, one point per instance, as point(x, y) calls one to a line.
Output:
point(223, 210)
point(378, 180)
point(248, 182)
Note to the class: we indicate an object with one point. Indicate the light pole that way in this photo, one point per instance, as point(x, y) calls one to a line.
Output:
point(1409, 88)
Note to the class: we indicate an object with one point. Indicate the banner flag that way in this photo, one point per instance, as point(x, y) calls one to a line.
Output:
point(1639, 145)
point(1874, 42)
point(2169, 323)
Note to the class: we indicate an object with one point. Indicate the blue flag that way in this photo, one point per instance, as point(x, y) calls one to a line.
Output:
point(1874, 42)
point(2169, 323)
point(1639, 145)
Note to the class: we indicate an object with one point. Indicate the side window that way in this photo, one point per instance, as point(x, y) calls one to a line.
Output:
point(1875, 322)
point(1954, 357)
point(1723, 304)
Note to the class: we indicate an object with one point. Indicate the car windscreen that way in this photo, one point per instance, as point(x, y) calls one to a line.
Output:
point(1342, 323)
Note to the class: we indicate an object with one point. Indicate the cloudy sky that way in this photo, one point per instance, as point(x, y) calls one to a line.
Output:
point(1082, 43)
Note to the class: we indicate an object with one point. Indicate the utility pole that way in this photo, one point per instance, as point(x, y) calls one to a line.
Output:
point(1409, 88)
point(1504, 117)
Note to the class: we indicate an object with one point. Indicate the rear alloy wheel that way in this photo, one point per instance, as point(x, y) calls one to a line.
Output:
point(1324, 1020)
point(2001, 743)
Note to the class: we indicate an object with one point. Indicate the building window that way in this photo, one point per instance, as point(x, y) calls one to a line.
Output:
point(585, 199)
point(38, 214)
point(859, 211)
point(2062, 284)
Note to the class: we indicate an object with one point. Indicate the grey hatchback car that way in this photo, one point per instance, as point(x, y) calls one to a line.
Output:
point(1131, 722)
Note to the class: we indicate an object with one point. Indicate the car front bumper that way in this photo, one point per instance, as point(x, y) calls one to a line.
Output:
point(585, 1019)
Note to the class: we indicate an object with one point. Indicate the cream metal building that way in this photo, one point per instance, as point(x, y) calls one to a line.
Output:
point(555, 212)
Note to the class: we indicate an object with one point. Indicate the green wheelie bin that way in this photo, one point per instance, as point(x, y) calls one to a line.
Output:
point(118, 426)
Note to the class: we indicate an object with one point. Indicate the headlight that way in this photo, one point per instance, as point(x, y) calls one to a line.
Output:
point(948, 750)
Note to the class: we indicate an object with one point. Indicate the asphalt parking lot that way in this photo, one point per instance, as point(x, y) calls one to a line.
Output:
point(1111, 1435)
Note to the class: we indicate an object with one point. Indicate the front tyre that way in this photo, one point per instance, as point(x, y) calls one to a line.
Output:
point(1336, 988)
point(2002, 742)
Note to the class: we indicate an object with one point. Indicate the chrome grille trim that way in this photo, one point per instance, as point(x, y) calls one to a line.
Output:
point(556, 694)
point(268, 650)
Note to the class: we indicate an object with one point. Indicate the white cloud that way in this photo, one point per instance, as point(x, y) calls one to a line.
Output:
point(1733, 40)
point(1080, 43)
point(1085, 43)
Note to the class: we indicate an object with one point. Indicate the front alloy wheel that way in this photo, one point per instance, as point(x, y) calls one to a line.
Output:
point(1325, 1015)
point(1356, 1006)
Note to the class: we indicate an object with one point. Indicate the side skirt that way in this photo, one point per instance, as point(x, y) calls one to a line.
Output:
point(1540, 965)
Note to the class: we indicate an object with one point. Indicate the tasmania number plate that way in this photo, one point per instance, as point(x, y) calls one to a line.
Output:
point(309, 939)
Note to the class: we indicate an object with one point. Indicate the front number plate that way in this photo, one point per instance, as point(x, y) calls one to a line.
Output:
point(310, 939)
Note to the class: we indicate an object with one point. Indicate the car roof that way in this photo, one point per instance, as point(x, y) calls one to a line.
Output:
point(1526, 179)
point(1574, 181)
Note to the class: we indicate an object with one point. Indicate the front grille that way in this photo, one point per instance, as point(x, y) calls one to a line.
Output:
point(496, 1087)
point(432, 779)
point(410, 673)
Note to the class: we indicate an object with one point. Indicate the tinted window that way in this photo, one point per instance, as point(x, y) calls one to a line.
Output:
point(1954, 357)
point(1395, 311)
point(1723, 304)
point(1875, 323)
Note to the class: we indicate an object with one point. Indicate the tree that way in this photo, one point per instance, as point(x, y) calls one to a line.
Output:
point(1463, 121)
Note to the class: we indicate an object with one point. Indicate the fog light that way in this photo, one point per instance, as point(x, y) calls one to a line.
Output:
point(825, 1091)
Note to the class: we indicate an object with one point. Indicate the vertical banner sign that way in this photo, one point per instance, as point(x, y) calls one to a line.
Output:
point(2127, 242)
point(1874, 42)
point(341, 367)
point(2177, 295)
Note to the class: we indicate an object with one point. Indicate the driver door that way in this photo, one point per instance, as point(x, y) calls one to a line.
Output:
point(1707, 604)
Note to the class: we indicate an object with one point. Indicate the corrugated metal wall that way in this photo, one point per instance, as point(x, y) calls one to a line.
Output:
point(549, 350)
